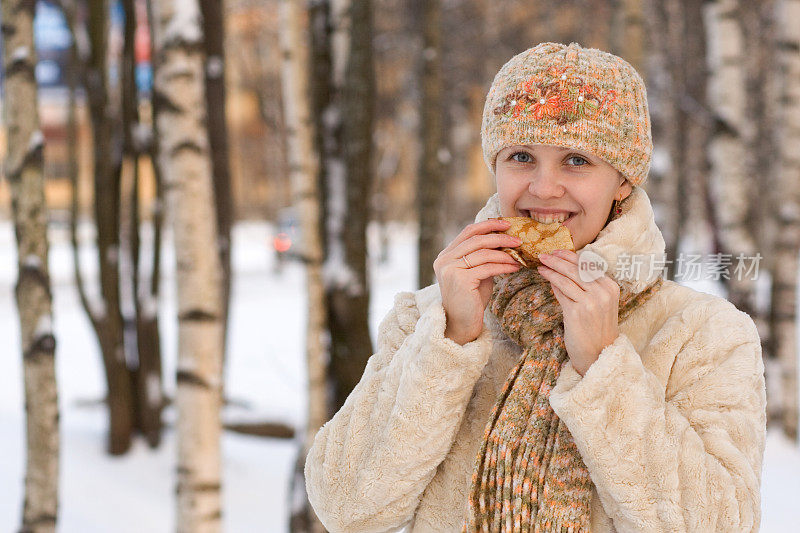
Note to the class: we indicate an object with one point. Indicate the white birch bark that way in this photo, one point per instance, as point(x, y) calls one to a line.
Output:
point(787, 213)
point(24, 170)
point(696, 123)
point(730, 187)
point(663, 185)
point(303, 168)
point(303, 171)
point(186, 166)
point(761, 67)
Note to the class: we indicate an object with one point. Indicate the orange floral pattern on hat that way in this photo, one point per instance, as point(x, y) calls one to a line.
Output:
point(556, 94)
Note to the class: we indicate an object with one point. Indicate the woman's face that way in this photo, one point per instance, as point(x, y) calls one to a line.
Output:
point(556, 183)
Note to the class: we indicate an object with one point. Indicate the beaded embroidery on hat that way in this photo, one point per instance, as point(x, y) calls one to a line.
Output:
point(556, 94)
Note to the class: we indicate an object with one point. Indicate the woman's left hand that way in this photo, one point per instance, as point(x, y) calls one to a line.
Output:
point(590, 308)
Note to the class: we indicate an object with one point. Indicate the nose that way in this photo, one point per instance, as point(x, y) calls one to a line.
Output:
point(545, 183)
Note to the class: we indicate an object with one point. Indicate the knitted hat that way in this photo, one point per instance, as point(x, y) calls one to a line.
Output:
point(562, 95)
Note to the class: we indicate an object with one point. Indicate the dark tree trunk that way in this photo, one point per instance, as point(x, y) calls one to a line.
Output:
point(148, 332)
point(107, 167)
point(144, 330)
point(319, 24)
point(431, 175)
point(347, 123)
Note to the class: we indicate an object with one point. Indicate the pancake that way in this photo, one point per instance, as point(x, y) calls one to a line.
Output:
point(537, 238)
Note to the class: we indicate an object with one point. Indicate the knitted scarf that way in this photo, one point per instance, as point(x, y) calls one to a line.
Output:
point(529, 475)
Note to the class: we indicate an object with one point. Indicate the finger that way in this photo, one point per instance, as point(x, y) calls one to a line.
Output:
point(560, 296)
point(566, 269)
point(604, 281)
point(568, 255)
point(488, 270)
point(489, 241)
point(479, 228)
point(482, 256)
point(565, 284)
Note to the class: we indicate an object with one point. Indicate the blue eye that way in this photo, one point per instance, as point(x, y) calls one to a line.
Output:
point(581, 160)
point(523, 154)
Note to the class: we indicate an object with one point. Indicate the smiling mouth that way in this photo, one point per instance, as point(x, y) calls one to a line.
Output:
point(547, 219)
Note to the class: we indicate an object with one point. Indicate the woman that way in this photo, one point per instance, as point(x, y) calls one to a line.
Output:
point(513, 399)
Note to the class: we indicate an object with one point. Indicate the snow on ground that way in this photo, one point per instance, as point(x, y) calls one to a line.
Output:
point(265, 374)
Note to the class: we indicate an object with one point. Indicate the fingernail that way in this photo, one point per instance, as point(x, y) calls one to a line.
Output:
point(544, 256)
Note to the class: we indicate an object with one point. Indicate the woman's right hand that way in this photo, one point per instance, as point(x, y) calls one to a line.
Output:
point(466, 284)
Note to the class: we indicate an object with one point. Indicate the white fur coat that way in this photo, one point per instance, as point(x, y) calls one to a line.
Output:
point(670, 420)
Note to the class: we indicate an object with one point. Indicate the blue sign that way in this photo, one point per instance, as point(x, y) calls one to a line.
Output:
point(53, 41)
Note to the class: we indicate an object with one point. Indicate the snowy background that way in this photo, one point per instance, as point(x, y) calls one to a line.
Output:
point(265, 378)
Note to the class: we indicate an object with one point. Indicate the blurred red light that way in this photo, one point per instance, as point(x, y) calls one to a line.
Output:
point(282, 242)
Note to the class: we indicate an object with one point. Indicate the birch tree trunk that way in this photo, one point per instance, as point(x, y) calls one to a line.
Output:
point(783, 317)
point(662, 68)
point(731, 188)
point(24, 170)
point(186, 165)
point(762, 103)
point(214, 40)
point(348, 123)
point(697, 123)
point(762, 75)
point(303, 168)
point(676, 186)
point(430, 182)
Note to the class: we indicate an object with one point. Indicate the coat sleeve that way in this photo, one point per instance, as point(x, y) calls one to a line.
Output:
point(369, 465)
point(685, 458)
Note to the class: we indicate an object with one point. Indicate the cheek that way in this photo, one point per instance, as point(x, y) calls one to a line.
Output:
point(597, 202)
point(594, 217)
point(509, 191)
point(508, 204)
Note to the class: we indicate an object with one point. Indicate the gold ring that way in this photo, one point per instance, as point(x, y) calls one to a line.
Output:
point(466, 261)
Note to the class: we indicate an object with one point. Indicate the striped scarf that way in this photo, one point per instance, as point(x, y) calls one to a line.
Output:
point(529, 475)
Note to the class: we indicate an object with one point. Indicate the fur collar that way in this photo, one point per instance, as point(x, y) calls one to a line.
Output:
point(631, 239)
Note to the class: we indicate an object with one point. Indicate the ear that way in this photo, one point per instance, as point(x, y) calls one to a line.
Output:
point(624, 189)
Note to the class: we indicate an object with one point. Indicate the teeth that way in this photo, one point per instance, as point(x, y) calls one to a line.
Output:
point(548, 219)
